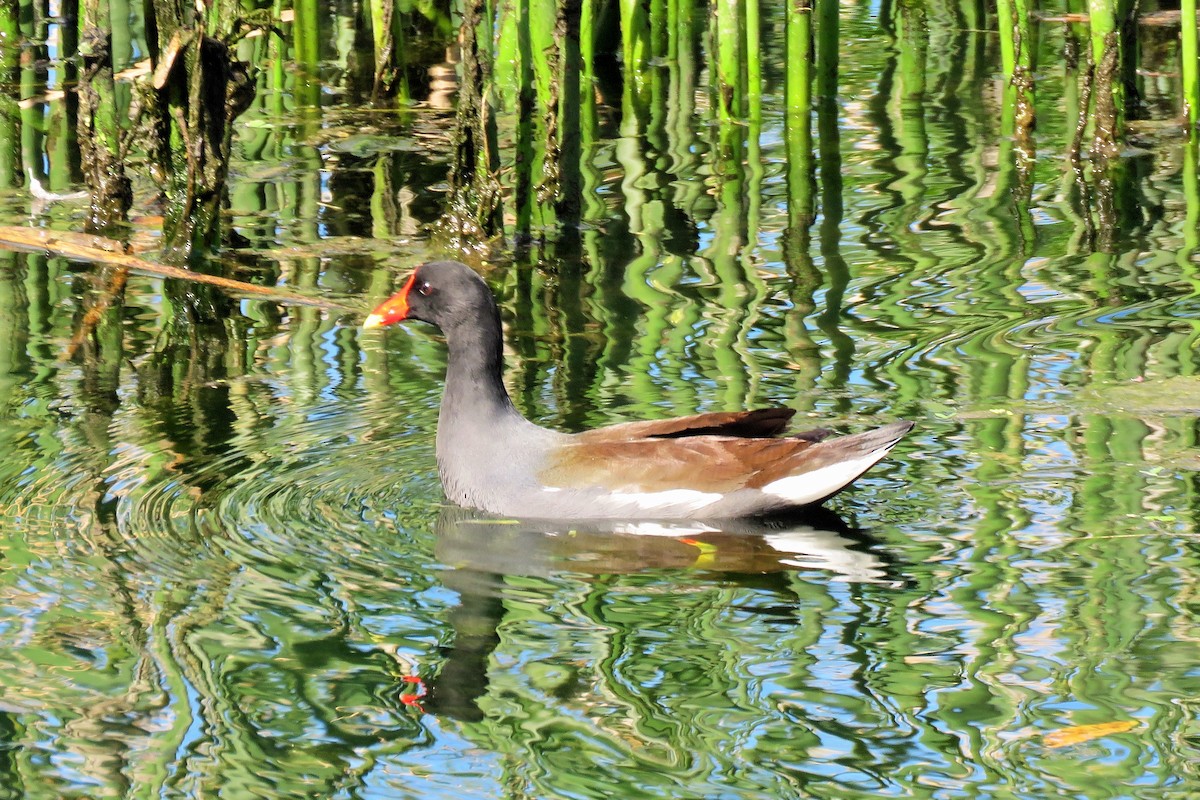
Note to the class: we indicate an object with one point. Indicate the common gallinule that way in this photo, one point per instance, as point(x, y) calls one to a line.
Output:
point(719, 465)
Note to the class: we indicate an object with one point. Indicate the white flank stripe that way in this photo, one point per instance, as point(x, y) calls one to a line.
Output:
point(812, 486)
point(650, 501)
point(659, 529)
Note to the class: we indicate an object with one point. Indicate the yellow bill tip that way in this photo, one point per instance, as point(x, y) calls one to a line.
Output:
point(373, 321)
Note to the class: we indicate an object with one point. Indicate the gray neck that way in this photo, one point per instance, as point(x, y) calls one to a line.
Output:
point(486, 450)
point(475, 390)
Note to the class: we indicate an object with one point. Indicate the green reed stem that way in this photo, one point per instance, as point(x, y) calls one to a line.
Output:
point(1189, 65)
point(505, 60)
point(660, 19)
point(524, 94)
point(62, 151)
point(1103, 21)
point(1108, 96)
point(1008, 47)
point(12, 37)
point(587, 43)
point(307, 52)
point(387, 37)
point(1012, 20)
point(798, 118)
point(10, 143)
point(753, 58)
point(31, 116)
point(10, 115)
point(727, 43)
point(635, 38)
point(99, 125)
point(544, 56)
point(10, 30)
point(798, 42)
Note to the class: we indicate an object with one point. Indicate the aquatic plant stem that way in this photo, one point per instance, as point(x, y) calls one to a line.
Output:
point(99, 125)
point(1108, 97)
point(753, 59)
point(522, 81)
point(798, 116)
point(1008, 47)
point(1016, 56)
point(10, 139)
point(1189, 65)
point(1016, 52)
point(387, 37)
point(635, 45)
point(798, 37)
point(547, 90)
point(727, 45)
point(306, 52)
point(10, 31)
point(62, 152)
point(474, 209)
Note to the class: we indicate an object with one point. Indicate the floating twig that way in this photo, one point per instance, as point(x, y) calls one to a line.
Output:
point(98, 249)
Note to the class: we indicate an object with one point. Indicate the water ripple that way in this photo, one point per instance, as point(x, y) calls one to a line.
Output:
point(332, 481)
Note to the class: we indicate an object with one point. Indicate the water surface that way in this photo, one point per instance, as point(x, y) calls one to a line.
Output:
point(228, 570)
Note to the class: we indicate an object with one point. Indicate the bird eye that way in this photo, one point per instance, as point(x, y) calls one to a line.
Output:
point(424, 289)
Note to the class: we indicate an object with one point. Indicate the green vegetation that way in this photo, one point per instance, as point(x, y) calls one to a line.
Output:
point(101, 150)
point(527, 88)
point(1189, 63)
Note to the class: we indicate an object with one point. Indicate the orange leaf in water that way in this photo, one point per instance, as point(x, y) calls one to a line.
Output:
point(1085, 733)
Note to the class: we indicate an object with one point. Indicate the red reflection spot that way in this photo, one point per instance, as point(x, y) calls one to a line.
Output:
point(413, 699)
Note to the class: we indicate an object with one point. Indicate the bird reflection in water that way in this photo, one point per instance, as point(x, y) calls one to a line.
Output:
point(483, 550)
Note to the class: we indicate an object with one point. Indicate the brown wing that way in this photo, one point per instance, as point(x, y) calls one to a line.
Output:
point(703, 463)
point(741, 424)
